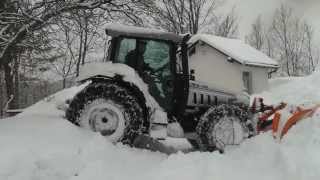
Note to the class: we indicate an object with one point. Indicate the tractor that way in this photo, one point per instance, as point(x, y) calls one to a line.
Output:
point(145, 88)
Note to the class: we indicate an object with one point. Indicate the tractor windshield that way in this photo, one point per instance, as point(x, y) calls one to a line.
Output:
point(151, 59)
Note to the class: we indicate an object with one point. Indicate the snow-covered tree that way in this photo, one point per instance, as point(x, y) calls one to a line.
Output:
point(184, 16)
point(257, 36)
point(289, 39)
point(227, 25)
point(21, 20)
point(311, 52)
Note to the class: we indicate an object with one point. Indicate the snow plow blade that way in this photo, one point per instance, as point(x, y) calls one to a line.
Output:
point(293, 120)
point(267, 123)
point(275, 124)
point(296, 117)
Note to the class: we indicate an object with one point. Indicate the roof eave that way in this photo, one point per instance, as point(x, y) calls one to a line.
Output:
point(263, 65)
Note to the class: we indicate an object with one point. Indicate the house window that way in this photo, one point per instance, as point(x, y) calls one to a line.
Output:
point(209, 99)
point(247, 81)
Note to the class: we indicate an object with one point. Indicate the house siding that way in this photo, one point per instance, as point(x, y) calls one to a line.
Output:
point(211, 66)
point(259, 78)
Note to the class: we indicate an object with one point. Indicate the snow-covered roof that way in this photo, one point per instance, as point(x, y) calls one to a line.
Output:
point(236, 49)
point(114, 29)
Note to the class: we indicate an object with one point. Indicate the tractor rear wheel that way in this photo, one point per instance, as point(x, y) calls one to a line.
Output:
point(223, 125)
point(109, 109)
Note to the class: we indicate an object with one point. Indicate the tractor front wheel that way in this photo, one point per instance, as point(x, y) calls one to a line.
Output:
point(109, 109)
point(223, 125)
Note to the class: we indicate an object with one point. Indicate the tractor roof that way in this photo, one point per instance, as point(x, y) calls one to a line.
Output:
point(116, 30)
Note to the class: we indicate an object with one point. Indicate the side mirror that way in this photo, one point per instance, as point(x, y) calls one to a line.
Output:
point(192, 77)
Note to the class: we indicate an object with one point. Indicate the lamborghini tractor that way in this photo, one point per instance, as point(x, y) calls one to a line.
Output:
point(147, 89)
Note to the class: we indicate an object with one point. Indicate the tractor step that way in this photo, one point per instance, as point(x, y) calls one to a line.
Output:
point(168, 146)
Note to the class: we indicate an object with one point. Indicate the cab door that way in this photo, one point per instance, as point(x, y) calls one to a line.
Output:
point(157, 72)
point(152, 64)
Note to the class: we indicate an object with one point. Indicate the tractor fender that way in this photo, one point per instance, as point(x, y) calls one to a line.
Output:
point(127, 77)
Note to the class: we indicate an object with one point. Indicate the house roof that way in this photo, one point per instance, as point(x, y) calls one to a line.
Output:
point(114, 29)
point(236, 49)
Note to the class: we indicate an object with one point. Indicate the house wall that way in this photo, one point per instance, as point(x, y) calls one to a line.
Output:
point(212, 67)
point(259, 78)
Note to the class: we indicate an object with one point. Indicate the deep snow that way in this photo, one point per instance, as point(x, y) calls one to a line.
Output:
point(40, 145)
point(296, 91)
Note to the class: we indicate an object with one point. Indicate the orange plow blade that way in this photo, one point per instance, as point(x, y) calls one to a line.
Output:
point(297, 116)
point(275, 124)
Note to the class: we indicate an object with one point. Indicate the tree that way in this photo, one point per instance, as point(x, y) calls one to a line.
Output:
point(65, 58)
point(289, 40)
point(2, 99)
point(227, 26)
point(86, 29)
point(260, 37)
point(192, 16)
point(10, 70)
point(312, 55)
point(19, 20)
point(184, 16)
point(257, 37)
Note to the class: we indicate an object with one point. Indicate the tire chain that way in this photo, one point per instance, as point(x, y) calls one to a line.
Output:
point(211, 118)
point(133, 111)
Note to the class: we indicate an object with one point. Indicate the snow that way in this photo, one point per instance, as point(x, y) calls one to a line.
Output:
point(115, 29)
point(295, 90)
point(40, 144)
point(236, 49)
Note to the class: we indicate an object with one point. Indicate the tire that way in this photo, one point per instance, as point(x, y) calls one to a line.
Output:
point(223, 125)
point(110, 109)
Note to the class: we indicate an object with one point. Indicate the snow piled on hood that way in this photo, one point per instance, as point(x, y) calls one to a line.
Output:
point(40, 144)
point(110, 69)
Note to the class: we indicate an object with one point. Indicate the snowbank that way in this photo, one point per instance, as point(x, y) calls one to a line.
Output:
point(40, 144)
point(296, 91)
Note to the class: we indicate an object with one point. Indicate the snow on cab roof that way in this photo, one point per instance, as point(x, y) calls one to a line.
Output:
point(114, 29)
point(236, 49)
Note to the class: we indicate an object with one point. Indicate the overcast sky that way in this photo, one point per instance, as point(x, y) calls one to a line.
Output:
point(248, 10)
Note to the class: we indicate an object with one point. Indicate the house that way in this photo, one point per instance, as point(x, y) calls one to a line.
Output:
point(229, 64)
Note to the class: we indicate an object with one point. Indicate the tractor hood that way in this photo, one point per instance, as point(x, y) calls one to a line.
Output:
point(107, 69)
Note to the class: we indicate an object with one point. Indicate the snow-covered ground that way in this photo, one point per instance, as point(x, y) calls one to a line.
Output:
point(40, 145)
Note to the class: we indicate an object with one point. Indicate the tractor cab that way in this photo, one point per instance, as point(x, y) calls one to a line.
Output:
point(153, 54)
